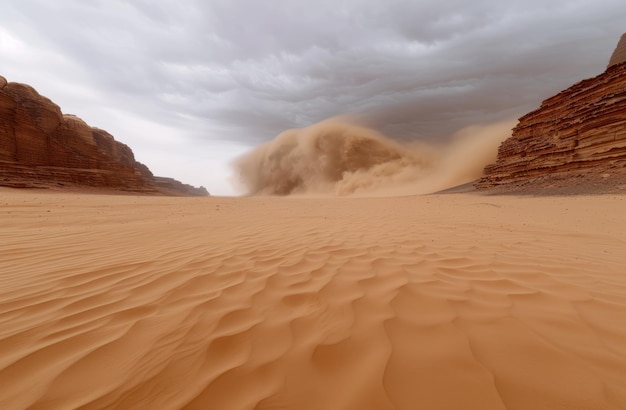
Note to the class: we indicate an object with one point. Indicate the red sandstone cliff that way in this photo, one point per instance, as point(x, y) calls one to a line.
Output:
point(41, 147)
point(575, 142)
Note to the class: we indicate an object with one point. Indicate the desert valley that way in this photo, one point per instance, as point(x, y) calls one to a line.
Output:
point(119, 289)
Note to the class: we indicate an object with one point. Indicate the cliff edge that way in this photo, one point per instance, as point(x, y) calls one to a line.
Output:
point(574, 143)
point(40, 147)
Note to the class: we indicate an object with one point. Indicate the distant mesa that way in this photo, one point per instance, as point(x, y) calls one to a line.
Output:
point(40, 147)
point(575, 142)
point(173, 186)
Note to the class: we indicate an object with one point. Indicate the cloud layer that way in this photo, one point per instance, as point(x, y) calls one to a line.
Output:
point(182, 77)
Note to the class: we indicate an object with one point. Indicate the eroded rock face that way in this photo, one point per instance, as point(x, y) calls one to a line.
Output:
point(41, 147)
point(619, 55)
point(576, 137)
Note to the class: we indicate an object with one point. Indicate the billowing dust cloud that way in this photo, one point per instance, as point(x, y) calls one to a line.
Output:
point(338, 158)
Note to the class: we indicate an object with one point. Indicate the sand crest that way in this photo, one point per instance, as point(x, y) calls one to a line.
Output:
point(436, 302)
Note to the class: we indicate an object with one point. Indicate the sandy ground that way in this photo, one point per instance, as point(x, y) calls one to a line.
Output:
point(435, 302)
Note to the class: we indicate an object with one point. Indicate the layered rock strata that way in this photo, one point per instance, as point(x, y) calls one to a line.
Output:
point(42, 147)
point(575, 138)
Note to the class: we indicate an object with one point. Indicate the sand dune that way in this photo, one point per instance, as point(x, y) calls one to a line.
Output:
point(434, 302)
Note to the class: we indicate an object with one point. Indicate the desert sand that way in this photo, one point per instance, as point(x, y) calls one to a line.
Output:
point(458, 301)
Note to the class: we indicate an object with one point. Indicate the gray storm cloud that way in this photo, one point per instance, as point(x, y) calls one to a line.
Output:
point(242, 71)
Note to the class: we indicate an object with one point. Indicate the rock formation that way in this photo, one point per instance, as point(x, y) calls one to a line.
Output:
point(41, 147)
point(619, 55)
point(174, 186)
point(575, 142)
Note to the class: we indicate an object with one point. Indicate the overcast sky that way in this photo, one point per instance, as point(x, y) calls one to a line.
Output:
point(189, 85)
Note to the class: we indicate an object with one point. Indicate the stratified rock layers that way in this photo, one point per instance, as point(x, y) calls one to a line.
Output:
point(42, 147)
point(39, 146)
point(577, 135)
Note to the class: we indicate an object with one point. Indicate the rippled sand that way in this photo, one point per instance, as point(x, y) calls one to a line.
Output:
point(436, 302)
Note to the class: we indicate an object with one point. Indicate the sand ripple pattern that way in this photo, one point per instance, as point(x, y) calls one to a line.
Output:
point(438, 302)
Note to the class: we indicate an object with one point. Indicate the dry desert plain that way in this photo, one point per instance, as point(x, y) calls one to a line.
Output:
point(457, 301)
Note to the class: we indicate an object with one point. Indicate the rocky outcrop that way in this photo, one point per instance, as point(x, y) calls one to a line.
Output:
point(171, 185)
point(575, 139)
point(619, 55)
point(41, 147)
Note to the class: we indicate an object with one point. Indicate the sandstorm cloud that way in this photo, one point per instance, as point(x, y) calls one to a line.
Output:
point(335, 157)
